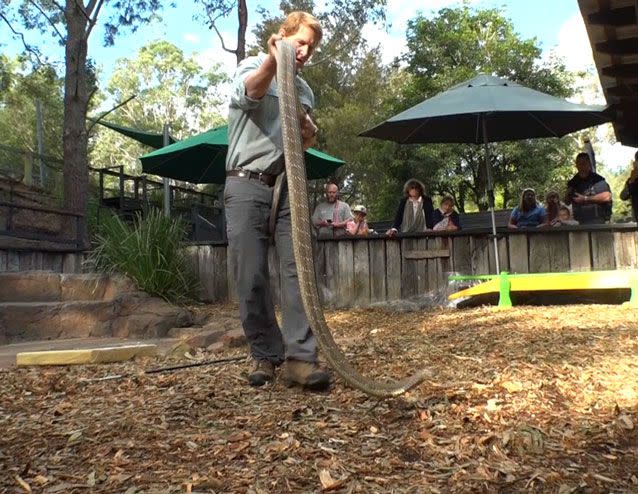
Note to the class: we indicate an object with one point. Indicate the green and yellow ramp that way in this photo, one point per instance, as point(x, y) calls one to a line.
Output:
point(505, 283)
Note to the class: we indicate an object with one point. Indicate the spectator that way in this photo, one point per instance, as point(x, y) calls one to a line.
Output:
point(588, 193)
point(564, 217)
point(417, 216)
point(444, 217)
point(552, 206)
point(528, 213)
point(331, 217)
point(630, 190)
point(358, 226)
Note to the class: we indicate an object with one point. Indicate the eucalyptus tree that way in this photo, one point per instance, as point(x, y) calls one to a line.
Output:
point(70, 23)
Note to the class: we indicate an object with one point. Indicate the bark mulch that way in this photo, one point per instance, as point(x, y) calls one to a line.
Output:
point(533, 399)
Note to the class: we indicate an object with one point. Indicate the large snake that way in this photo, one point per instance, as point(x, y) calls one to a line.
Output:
point(289, 108)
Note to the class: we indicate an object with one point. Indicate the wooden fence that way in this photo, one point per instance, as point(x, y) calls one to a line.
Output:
point(363, 271)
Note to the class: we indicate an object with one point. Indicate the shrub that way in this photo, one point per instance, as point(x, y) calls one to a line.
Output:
point(149, 251)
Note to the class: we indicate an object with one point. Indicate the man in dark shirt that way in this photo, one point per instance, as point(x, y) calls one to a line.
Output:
point(630, 191)
point(589, 194)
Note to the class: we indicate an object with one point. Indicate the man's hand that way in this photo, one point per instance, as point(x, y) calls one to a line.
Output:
point(579, 198)
point(272, 46)
point(308, 131)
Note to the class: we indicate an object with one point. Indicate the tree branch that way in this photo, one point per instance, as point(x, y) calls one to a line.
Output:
point(27, 46)
point(48, 19)
point(219, 35)
point(93, 19)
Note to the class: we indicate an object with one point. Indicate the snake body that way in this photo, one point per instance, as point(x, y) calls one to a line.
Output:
point(289, 108)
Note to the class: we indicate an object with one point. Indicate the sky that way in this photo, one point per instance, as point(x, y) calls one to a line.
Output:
point(556, 24)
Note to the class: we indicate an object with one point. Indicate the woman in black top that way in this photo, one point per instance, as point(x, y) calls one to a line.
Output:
point(415, 210)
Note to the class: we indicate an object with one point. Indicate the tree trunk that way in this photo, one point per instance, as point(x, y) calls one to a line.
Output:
point(242, 16)
point(76, 99)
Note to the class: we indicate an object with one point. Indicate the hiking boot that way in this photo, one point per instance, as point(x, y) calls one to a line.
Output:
point(263, 372)
point(306, 374)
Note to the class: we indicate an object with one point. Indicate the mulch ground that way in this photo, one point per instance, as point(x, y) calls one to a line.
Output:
point(534, 399)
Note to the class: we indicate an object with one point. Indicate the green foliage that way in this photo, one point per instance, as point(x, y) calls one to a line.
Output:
point(150, 252)
point(453, 46)
point(170, 88)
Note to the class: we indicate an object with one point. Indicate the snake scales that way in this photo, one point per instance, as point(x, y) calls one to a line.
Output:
point(289, 108)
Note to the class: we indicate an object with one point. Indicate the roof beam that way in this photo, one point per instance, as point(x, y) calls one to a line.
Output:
point(624, 91)
point(622, 16)
point(627, 46)
point(622, 71)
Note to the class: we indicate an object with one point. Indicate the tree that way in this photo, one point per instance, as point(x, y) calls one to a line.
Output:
point(21, 86)
point(71, 24)
point(342, 21)
point(454, 46)
point(169, 88)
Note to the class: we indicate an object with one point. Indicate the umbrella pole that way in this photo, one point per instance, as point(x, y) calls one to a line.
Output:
point(490, 194)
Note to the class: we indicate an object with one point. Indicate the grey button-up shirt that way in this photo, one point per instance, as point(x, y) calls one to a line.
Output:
point(255, 141)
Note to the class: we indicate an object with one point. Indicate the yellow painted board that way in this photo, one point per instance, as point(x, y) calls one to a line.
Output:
point(584, 280)
point(490, 286)
point(86, 356)
point(590, 280)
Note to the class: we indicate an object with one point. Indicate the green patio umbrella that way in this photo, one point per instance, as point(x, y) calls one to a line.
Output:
point(201, 159)
point(488, 109)
point(149, 138)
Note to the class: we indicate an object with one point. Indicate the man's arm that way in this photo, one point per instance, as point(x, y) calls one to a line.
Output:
point(258, 81)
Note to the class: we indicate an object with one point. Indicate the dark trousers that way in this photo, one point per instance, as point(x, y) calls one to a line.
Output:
point(247, 204)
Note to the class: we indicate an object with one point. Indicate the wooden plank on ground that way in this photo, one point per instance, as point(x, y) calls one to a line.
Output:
point(361, 273)
point(518, 252)
point(378, 275)
point(86, 356)
point(579, 251)
point(393, 261)
point(346, 273)
point(602, 250)
point(461, 258)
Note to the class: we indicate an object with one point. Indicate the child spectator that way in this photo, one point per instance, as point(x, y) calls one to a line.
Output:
point(358, 226)
point(552, 206)
point(528, 213)
point(564, 217)
point(444, 217)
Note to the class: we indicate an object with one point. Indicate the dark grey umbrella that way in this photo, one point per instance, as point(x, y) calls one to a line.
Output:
point(488, 109)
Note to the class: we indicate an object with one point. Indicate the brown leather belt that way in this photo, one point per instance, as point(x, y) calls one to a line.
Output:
point(264, 178)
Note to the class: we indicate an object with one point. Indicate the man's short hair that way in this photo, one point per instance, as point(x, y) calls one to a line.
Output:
point(296, 19)
point(583, 155)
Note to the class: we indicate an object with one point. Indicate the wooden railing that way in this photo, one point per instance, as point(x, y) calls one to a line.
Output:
point(362, 271)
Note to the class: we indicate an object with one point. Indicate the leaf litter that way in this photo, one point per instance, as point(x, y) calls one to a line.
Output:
point(533, 399)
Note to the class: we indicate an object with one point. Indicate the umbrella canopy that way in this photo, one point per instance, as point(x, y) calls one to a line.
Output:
point(202, 159)
point(488, 107)
point(149, 138)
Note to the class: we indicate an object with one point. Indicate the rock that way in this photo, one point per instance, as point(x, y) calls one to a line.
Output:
point(218, 346)
point(234, 338)
point(203, 339)
point(143, 316)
